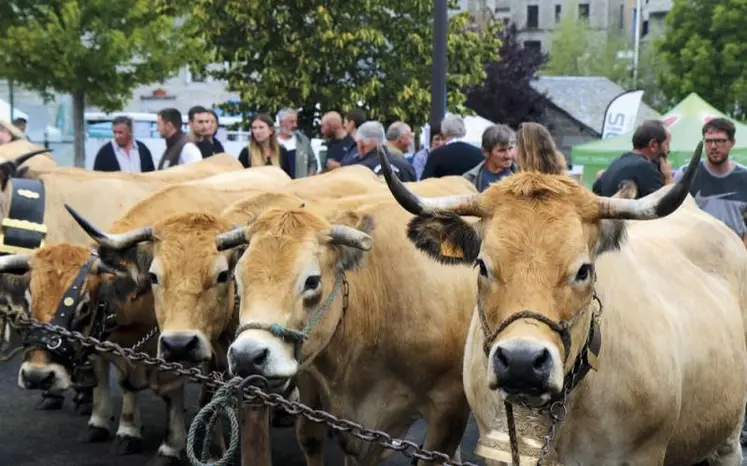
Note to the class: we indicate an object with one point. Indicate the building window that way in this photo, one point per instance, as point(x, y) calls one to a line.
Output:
point(558, 10)
point(644, 28)
point(583, 11)
point(532, 17)
point(622, 17)
point(533, 45)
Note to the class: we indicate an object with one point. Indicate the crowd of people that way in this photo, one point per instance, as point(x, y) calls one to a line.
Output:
point(720, 187)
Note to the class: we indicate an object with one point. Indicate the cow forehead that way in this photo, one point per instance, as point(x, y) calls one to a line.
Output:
point(53, 270)
point(554, 232)
point(270, 259)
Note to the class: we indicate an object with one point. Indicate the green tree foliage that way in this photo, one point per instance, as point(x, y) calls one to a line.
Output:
point(96, 50)
point(703, 50)
point(577, 50)
point(337, 53)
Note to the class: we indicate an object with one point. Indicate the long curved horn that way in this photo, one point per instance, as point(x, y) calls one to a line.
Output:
point(465, 204)
point(652, 207)
point(15, 263)
point(349, 236)
point(231, 239)
point(113, 241)
point(21, 159)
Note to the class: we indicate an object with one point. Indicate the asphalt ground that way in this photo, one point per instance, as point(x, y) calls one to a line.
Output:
point(56, 438)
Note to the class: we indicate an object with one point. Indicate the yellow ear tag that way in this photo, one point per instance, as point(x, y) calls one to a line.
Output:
point(449, 250)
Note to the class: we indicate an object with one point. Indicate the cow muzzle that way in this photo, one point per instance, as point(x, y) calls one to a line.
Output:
point(525, 369)
point(184, 346)
point(258, 353)
point(50, 376)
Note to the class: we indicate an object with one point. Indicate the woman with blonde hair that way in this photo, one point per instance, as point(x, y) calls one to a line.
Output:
point(263, 147)
point(536, 150)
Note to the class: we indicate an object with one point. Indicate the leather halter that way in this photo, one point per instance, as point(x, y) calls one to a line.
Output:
point(62, 350)
point(23, 229)
point(586, 359)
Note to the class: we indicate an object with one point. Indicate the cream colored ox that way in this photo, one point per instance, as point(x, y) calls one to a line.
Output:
point(52, 270)
point(670, 380)
point(377, 343)
point(18, 147)
point(103, 196)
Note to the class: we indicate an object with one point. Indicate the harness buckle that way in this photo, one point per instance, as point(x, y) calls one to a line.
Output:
point(54, 342)
point(20, 225)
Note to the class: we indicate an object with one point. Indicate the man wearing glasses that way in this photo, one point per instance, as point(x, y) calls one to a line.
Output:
point(720, 186)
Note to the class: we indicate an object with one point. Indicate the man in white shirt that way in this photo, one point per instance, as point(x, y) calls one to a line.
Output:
point(178, 148)
point(123, 153)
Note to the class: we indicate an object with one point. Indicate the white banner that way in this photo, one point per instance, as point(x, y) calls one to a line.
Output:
point(621, 114)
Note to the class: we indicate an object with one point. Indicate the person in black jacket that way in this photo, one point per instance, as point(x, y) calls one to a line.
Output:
point(263, 147)
point(455, 157)
point(369, 138)
point(123, 153)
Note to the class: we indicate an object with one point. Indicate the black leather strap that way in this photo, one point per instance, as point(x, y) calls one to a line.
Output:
point(61, 349)
point(23, 229)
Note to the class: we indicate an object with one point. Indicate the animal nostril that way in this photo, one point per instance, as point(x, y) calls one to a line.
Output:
point(542, 360)
point(192, 344)
point(501, 357)
point(261, 358)
point(48, 379)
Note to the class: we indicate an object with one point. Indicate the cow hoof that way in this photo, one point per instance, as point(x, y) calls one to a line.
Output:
point(162, 460)
point(97, 434)
point(127, 445)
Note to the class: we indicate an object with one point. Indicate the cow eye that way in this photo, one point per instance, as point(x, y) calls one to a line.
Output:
point(223, 277)
point(584, 272)
point(483, 269)
point(153, 278)
point(312, 283)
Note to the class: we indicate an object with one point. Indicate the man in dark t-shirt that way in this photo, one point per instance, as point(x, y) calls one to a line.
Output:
point(339, 141)
point(646, 165)
point(370, 137)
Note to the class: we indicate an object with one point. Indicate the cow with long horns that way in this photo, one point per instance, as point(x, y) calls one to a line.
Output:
point(640, 346)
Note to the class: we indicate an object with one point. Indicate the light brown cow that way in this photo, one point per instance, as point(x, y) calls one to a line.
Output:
point(84, 189)
point(671, 377)
point(18, 147)
point(383, 328)
point(52, 271)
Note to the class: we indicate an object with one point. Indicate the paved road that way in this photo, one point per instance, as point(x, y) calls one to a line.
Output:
point(53, 438)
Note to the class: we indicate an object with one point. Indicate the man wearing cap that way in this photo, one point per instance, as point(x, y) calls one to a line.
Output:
point(369, 137)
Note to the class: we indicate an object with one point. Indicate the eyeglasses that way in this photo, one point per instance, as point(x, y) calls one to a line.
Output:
point(717, 142)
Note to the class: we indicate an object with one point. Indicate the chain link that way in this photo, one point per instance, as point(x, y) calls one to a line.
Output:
point(252, 393)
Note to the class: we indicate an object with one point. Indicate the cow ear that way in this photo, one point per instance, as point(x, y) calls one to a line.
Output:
point(348, 256)
point(445, 237)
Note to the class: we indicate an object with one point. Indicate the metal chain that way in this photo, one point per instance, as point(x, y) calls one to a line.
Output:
point(145, 339)
point(406, 447)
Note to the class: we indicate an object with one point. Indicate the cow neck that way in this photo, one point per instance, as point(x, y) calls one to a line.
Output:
point(22, 229)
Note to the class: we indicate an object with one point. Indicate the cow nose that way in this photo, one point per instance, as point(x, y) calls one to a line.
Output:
point(179, 346)
point(249, 360)
point(37, 378)
point(522, 368)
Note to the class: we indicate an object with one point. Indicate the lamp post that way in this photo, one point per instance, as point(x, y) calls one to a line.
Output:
point(637, 41)
point(438, 69)
point(11, 99)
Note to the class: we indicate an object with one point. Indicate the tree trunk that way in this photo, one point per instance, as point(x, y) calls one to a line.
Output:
point(79, 128)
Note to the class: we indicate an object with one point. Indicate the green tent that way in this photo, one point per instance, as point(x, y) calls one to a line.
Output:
point(685, 122)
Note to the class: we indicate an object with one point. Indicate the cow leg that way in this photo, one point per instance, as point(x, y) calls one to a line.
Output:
point(311, 435)
point(730, 453)
point(129, 438)
point(101, 412)
point(170, 451)
point(445, 426)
